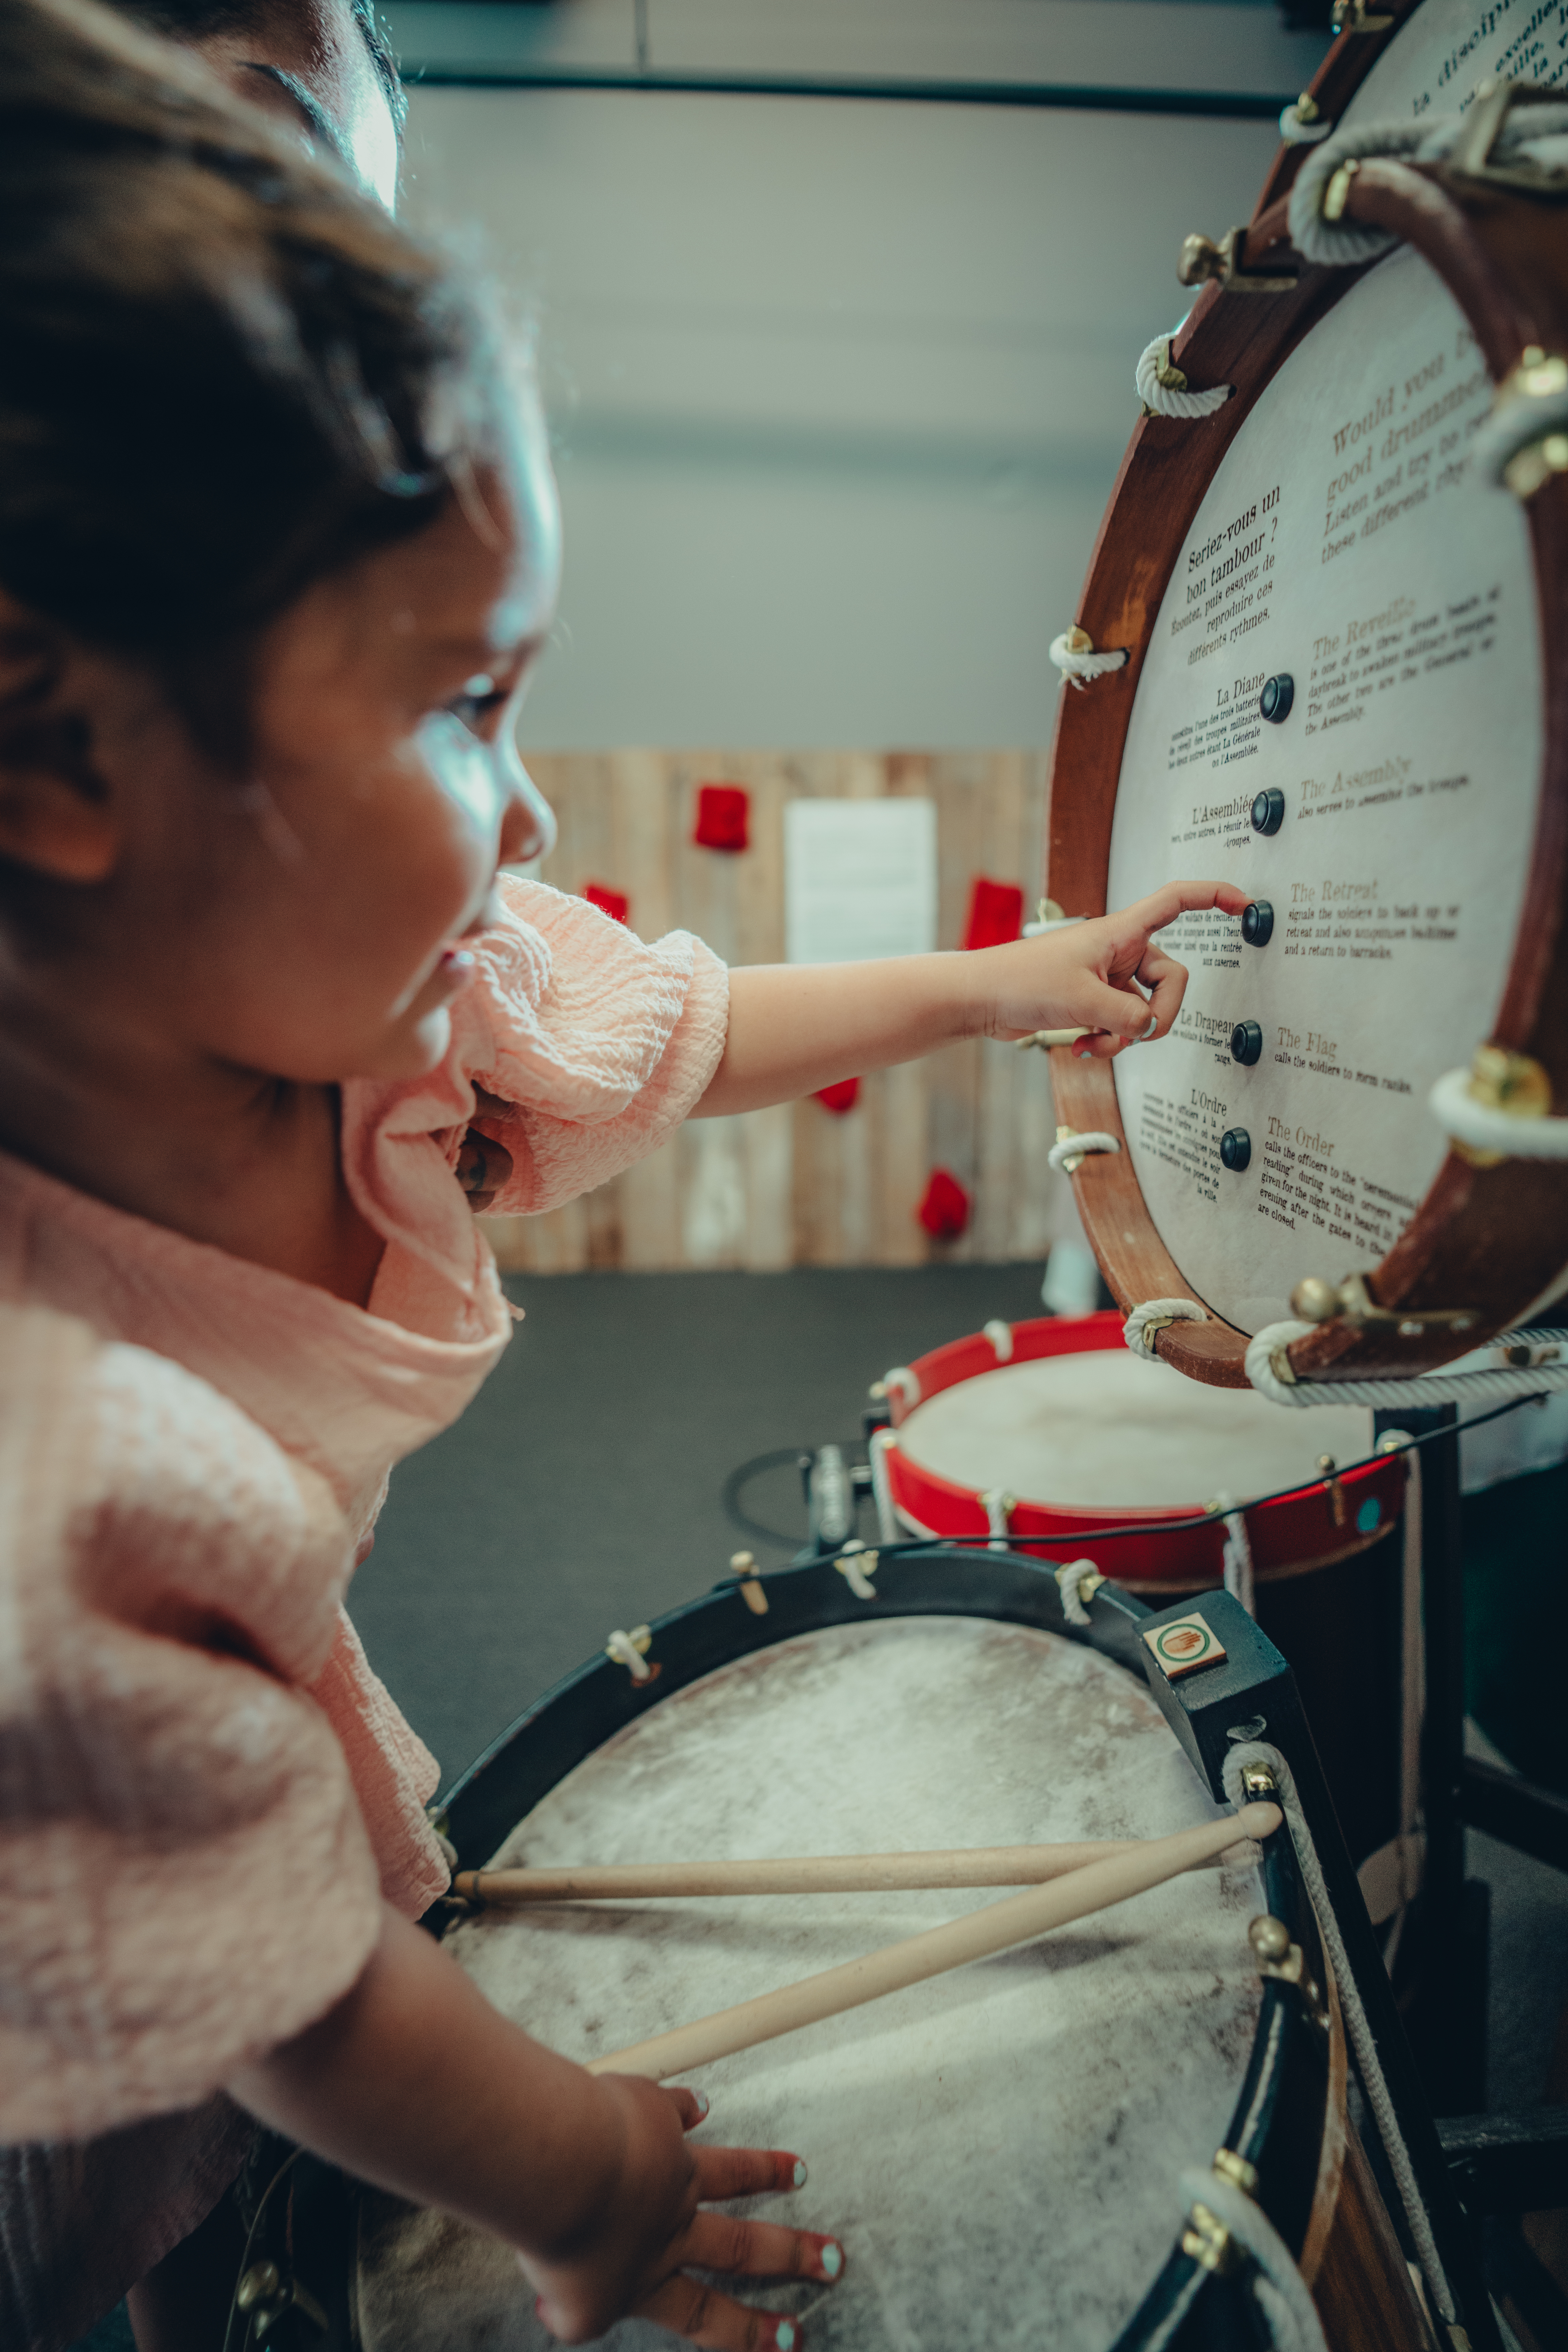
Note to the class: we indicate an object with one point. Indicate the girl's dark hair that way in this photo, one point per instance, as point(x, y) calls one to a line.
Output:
point(223, 372)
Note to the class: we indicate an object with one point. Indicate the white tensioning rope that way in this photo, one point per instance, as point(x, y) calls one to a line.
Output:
point(1079, 1147)
point(1484, 1383)
point(998, 1506)
point(1163, 389)
point(623, 1648)
point(1296, 132)
point(1078, 667)
point(887, 1527)
point(1071, 1577)
point(1237, 1552)
point(1158, 1312)
point(1453, 1105)
point(1534, 134)
point(1520, 420)
point(1373, 2082)
point(1281, 2291)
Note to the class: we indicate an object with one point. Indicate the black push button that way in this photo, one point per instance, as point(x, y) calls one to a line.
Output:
point(1269, 810)
point(1278, 694)
point(1258, 923)
point(1235, 1149)
point(1246, 1043)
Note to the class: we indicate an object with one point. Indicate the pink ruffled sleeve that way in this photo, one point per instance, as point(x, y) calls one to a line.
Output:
point(185, 1877)
point(593, 1048)
point(598, 1044)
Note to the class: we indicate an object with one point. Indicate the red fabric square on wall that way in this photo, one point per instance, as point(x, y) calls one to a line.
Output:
point(996, 913)
point(723, 811)
point(841, 1097)
point(944, 1211)
point(614, 903)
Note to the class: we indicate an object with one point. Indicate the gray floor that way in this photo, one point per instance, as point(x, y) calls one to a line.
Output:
point(581, 1491)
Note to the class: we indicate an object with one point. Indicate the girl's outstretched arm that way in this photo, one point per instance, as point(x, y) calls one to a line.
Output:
point(795, 1027)
point(414, 2082)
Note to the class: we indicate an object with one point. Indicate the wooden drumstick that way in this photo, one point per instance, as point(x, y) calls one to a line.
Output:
point(995, 1928)
point(828, 1874)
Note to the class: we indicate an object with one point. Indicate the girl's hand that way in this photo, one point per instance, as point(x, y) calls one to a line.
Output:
point(1089, 977)
point(647, 2231)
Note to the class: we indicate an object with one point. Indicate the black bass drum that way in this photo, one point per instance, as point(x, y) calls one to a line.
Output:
point(996, 2146)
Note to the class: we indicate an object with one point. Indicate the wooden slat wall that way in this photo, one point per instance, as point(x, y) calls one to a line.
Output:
point(795, 1185)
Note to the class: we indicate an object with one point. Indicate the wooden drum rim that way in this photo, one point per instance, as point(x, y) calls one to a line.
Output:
point(1487, 1238)
point(1288, 1537)
point(1337, 80)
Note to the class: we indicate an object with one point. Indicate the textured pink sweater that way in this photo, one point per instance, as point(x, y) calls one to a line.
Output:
point(204, 1790)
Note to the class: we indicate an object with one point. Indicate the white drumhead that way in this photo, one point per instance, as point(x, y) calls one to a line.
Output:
point(1343, 541)
point(1101, 1431)
point(1443, 52)
point(999, 2148)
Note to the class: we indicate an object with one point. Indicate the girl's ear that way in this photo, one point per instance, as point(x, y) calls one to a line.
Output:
point(57, 813)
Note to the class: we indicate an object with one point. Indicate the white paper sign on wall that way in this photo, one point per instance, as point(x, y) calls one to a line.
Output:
point(860, 879)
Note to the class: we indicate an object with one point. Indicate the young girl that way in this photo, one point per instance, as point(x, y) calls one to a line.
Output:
point(278, 548)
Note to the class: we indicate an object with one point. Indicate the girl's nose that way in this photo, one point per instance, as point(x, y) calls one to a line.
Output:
point(527, 827)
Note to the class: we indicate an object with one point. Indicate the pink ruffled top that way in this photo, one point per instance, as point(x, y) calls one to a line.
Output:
point(204, 1790)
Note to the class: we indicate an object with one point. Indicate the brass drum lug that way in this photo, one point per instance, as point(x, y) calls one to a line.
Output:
point(1278, 1957)
point(1317, 1301)
point(1236, 2170)
point(744, 1569)
point(1500, 1079)
point(1226, 263)
point(1337, 194)
point(1072, 1161)
point(1329, 1467)
point(1490, 110)
point(1208, 2241)
point(267, 2295)
point(1354, 17)
point(1274, 1951)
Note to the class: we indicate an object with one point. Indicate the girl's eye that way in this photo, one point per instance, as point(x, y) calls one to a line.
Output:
point(479, 696)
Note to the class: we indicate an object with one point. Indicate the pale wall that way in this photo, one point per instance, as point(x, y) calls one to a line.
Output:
point(838, 388)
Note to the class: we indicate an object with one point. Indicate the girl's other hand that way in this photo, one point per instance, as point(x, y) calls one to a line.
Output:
point(649, 2231)
point(1094, 976)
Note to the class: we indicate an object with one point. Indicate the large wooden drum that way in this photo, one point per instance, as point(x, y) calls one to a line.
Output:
point(1008, 2151)
point(1337, 693)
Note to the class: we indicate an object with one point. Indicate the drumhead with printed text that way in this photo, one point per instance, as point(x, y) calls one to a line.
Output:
point(1343, 543)
point(1336, 696)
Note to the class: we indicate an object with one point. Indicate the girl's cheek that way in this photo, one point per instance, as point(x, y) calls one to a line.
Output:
point(467, 771)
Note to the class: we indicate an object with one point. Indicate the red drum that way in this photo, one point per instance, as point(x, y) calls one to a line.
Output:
point(1053, 1428)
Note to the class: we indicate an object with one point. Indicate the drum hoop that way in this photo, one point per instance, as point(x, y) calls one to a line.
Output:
point(1481, 1238)
point(1281, 2110)
point(1288, 1537)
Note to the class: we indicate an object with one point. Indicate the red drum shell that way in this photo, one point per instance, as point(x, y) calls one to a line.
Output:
point(1298, 1532)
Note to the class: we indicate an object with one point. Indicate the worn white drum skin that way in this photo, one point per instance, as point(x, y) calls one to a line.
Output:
point(1102, 1431)
point(999, 2149)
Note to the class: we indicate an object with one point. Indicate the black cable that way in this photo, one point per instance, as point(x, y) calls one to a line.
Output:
point(742, 1477)
point(257, 2220)
point(1211, 1518)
